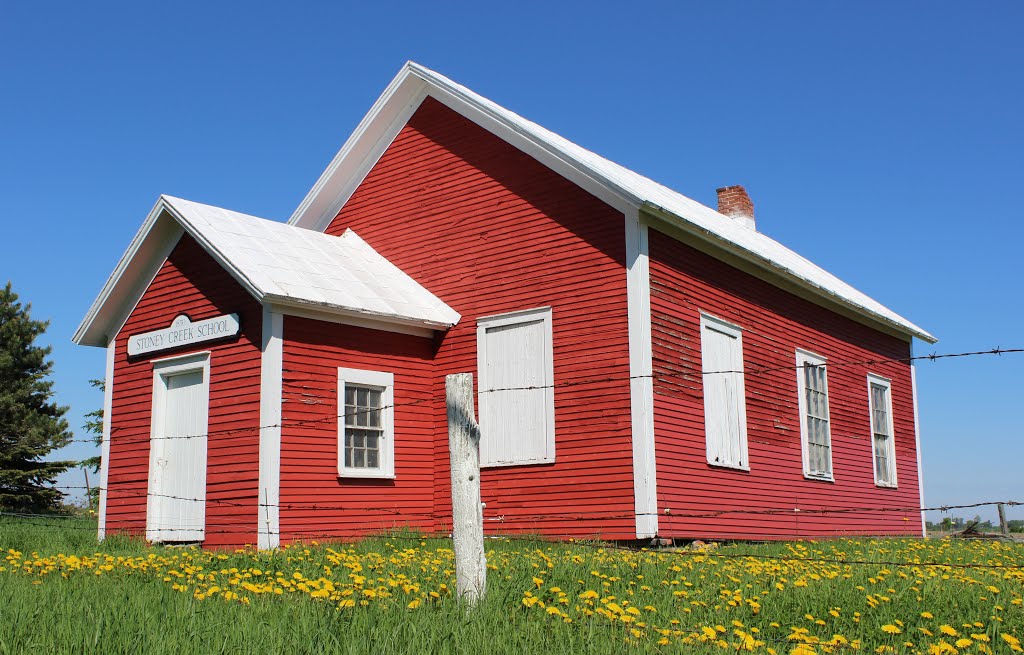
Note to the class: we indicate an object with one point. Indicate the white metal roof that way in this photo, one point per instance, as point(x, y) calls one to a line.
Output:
point(280, 264)
point(415, 82)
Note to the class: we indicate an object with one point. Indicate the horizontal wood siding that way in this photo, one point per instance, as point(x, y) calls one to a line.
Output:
point(684, 282)
point(191, 282)
point(315, 502)
point(490, 230)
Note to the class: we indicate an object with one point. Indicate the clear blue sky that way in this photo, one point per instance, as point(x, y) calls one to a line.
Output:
point(883, 140)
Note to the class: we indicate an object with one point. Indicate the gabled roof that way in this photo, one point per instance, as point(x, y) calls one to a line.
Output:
point(279, 264)
point(611, 182)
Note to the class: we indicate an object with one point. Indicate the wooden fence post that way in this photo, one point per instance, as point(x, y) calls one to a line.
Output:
point(1004, 527)
point(467, 511)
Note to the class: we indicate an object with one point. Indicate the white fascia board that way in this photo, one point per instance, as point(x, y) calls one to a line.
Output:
point(573, 170)
point(641, 383)
point(135, 271)
point(793, 277)
point(355, 319)
point(94, 328)
point(360, 152)
point(286, 303)
point(268, 529)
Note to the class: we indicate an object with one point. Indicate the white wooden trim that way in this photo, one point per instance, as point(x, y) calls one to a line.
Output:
point(807, 357)
point(736, 332)
point(355, 320)
point(570, 170)
point(543, 314)
point(386, 382)
point(392, 111)
point(163, 368)
point(641, 383)
point(108, 416)
point(873, 379)
point(360, 153)
point(268, 521)
point(917, 442)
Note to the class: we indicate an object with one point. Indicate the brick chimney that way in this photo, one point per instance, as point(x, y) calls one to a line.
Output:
point(734, 202)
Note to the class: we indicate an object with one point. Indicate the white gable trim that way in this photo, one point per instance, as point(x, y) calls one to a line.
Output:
point(386, 119)
point(360, 153)
point(146, 253)
point(641, 383)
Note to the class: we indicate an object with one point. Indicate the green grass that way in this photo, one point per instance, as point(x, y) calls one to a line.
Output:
point(159, 600)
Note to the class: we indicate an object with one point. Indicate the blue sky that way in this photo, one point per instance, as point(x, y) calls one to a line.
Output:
point(881, 140)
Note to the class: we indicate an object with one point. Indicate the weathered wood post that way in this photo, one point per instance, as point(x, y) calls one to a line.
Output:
point(1004, 527)
point(467, 511)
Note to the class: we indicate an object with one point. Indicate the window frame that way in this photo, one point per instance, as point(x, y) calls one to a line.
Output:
point(543, 314)
point(735, 331)
point(385, 381)
point(803, 358)
point(874, 379)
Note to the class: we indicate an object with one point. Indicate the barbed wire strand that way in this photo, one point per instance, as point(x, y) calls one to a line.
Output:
point(563, 384)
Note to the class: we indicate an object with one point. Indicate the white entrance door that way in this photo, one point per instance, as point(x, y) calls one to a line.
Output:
point(177, 465)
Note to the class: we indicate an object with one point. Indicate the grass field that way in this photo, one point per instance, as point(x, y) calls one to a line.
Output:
point(60, 593)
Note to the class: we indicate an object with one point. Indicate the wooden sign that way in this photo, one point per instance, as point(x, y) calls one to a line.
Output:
point(183, 332)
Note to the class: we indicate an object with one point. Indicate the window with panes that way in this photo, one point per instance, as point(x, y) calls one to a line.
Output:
point(364, 428)
point(366, 424)
point(812, 377)
point(882, 432)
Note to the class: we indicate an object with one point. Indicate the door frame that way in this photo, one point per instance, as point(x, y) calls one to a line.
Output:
point(155, 503)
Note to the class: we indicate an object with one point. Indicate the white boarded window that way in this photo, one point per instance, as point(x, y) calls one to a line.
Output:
point(725, 405)
point(883, 448)
point(366, 424)
point(516, 395)
point(815, 429)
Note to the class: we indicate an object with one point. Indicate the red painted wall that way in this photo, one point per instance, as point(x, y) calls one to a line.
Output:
point(490, 230)
point(685, 281)
point(314, 501)
point(191, 282)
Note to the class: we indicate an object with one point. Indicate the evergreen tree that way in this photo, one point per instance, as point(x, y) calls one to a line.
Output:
point(30, 424)
point(94, 426)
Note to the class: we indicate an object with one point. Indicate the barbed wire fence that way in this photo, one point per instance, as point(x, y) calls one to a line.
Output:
point(521, 527)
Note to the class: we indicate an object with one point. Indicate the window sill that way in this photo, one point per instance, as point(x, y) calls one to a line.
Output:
point(886, 485)
point(819, 478)
point(369, 474)
point(532, 462)
point(735, 467)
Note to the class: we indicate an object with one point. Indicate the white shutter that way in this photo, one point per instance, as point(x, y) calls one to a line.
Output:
point(516, 399)
point(725, 413)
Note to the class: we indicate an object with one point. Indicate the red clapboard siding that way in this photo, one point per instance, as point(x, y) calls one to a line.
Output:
point(685, 281)
point(314, 501)
point(490, 230)
point(191, 282)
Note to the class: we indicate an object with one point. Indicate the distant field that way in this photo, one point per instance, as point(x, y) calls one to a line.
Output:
point(60, 593)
